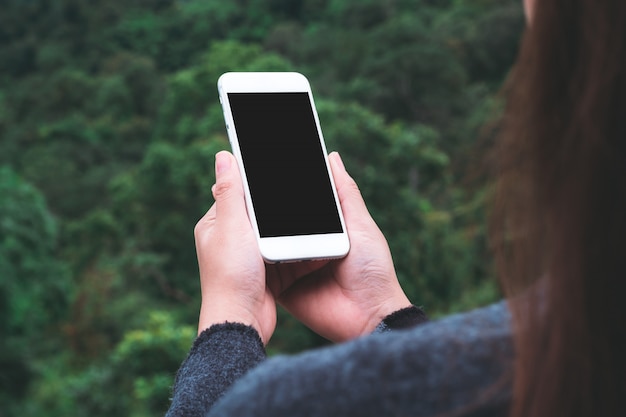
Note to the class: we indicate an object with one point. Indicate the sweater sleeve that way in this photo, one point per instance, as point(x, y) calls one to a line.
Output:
point(460, 364)
point(402, 319)
point(224, 352)
point(219, 356)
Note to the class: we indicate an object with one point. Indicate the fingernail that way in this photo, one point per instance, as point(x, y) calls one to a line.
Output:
point(222, 162)
point(339, 161)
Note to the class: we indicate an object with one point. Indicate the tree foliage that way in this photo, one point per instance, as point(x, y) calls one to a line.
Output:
point(109, 120)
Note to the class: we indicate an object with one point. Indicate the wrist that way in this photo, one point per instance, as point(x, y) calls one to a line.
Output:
point(261, 317)
point(212, 313)
point(389, 308)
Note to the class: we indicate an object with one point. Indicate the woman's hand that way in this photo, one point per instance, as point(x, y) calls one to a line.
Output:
point(344, 298)
point(338, 299)
point(232, 271)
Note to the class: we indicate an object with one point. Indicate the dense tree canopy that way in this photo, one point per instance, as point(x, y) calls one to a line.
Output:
point(109, 121)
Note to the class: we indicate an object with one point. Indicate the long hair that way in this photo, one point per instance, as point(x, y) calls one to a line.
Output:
point(559, 221)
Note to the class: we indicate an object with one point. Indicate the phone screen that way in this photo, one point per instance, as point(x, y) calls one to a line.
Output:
point(284, 163)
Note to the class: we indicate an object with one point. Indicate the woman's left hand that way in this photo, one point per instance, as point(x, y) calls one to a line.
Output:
point(232, 271)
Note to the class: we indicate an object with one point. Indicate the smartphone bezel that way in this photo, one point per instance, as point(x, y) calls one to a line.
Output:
point(283, 248)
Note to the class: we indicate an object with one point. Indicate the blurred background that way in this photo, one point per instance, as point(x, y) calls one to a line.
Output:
point(109, 122)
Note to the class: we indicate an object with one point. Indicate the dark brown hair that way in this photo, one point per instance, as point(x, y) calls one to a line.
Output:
point(559, 221)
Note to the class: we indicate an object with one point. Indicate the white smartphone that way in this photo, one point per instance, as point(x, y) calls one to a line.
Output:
point(275, 135)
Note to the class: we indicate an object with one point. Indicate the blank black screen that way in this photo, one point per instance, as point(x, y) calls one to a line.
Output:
point(284, 162)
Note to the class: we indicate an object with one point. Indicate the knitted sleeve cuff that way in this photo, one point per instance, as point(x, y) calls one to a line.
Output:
point(245, 330)
point(219, 356)
point(402, 319)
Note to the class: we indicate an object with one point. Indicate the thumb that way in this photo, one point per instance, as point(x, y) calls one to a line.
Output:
point(352, 203)
point(228, 190)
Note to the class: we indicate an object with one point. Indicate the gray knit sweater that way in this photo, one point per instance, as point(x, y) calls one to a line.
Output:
point(457, 366)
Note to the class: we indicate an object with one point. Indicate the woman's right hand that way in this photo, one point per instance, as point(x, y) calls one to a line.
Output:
point(348, 297)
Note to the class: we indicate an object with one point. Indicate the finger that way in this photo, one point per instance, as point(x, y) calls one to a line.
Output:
point(205, 223)
point(230, 206)
point(352, 203)
point(282, 276)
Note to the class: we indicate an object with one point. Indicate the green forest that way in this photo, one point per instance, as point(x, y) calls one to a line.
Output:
point(109, 123)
